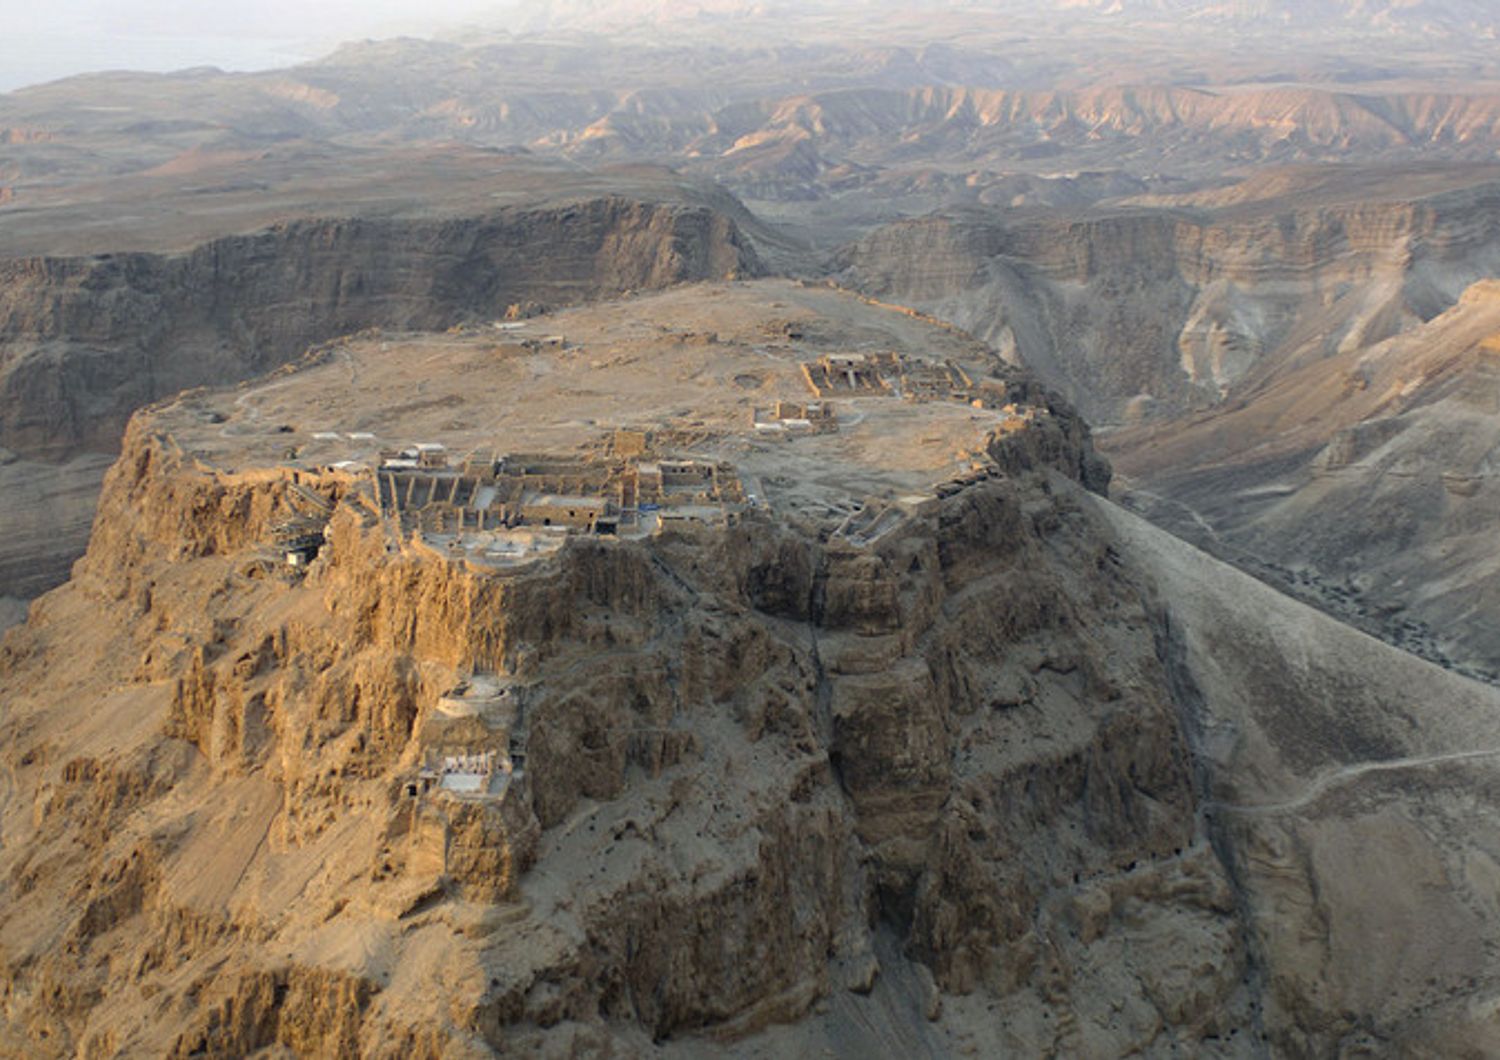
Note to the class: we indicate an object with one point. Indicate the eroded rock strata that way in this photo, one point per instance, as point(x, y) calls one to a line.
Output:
point(88, 340)
point(1158, 307)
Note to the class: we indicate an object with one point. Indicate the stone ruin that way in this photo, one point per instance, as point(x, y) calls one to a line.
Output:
point(463, 827)
point(473, 741)
point(625, 492)
point(844, 375)
point(791, 417)
point(882, 374)
point(299, 538)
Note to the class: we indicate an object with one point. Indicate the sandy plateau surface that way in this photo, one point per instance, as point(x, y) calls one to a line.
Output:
point(715, 353)
point(207, 194)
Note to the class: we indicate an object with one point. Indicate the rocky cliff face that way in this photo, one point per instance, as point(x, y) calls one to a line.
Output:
point(1147, 315)
point(767, 778)
point(47, 521)
point(86, 340)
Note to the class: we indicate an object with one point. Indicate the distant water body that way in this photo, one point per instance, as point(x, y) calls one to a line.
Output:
point(32, 59)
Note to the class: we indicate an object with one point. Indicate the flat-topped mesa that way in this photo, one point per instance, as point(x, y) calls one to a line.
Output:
point(520, 446)
point(466, 551)
point(751, 653)
point(85, 339)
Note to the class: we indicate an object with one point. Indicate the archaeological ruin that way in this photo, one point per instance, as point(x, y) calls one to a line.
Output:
point(522, 498)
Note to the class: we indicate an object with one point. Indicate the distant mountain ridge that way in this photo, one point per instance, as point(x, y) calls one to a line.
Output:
point(1407, 14)
point(909, 108)
point(1421, 16)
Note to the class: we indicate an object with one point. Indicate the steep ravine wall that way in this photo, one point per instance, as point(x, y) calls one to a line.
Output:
point(85, 341)
point(1159, 312)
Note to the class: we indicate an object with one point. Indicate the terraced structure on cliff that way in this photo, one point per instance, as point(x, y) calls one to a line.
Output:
point(723, 724)
point(611, 495)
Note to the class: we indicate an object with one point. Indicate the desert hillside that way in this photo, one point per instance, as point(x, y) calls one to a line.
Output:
point(1292, 372)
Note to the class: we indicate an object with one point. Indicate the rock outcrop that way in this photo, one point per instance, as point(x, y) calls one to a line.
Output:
point(762, 771)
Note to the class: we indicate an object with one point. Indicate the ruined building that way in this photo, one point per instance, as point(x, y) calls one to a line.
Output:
point(603, 494)
point(879, 374)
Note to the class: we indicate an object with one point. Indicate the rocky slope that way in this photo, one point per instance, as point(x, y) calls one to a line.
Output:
point(1362, 480)
point(1150, 313)
point(989, 781)
point(742, 765)
point(1347, 784)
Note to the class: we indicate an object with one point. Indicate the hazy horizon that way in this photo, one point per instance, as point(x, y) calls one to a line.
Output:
point(73, 37)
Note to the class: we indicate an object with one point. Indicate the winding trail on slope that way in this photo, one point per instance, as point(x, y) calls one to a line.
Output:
point(1176, 505)
point(1322, 784)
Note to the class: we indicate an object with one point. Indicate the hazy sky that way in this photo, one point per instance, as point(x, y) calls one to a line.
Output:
point(46, 39)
